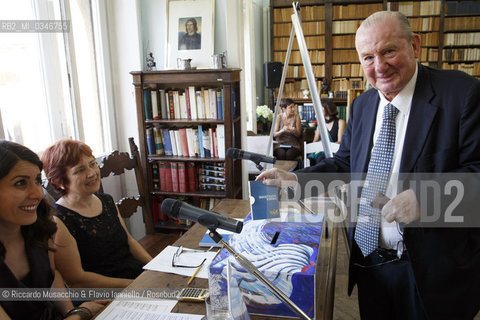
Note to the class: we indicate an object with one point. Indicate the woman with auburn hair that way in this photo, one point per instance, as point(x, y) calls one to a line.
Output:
point(95, 248)
point(26, 240)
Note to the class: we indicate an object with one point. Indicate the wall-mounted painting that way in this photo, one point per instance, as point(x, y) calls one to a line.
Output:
point(190, 32)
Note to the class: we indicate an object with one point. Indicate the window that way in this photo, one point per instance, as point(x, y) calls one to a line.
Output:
point(49, 81)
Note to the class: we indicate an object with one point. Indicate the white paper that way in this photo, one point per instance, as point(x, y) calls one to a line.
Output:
point(163, 262)
point(144, 309)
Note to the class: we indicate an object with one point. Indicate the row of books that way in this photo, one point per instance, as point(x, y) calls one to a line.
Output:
point(356, 11)
point(424, 24)
point(417, 8)
point(313, 42)
point(316, 56)
point(340, 56)
point(347, 70)
point(294, 71)
point(306, 13)
point(462, 39)
point(461, 23)
point(189, 103)
point(469, 54)
point(428, 54)
point(472, 69)
point(183, 177)
point(160, 217)
point(187, 142)
point(309, 28)
point(292, 89)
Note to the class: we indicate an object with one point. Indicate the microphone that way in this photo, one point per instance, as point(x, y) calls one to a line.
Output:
point(235, 153)
point(211, 220)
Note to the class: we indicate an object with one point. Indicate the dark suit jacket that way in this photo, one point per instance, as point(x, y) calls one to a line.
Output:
point(443, 135)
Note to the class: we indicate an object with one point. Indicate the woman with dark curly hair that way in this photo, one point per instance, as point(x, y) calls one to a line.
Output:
point(26, 245)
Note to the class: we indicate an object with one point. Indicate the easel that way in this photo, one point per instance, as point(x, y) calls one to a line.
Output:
point(297, 30)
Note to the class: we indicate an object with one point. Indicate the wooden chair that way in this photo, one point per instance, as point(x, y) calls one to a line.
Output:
point(116, 163)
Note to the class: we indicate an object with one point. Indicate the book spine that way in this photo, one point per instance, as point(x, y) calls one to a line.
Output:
point(188, 112)
point(150, 141)
point(155, 113)
point(168, 177)
point(200, 141)
point(148, 104)
point(163, 104)
point(161, 172)
point(167, 142)
point(182, 177)
point(155, 177)
point(157, 133)
point(183, 141)
point(193, 103)
point(192, 177)
point(218, 95)
point(171, 106)
point(221, 140)
point(174, 170)
point(206, 143)
point(175, 146)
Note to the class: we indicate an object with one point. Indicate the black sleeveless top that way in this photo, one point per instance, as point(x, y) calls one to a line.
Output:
point(40, 276)
point(334, 131)
point(102, 242)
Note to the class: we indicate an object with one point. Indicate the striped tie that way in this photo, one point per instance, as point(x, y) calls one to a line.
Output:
point(378, 174)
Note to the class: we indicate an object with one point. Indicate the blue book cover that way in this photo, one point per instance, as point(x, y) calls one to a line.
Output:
point(200, 141)
point(263, 201)
point(167, 144)
point(151, 141)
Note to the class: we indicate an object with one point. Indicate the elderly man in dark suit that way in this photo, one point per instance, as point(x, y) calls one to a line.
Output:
point(414, 119)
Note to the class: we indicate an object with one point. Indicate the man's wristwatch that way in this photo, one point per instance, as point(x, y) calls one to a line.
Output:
point(83, 312)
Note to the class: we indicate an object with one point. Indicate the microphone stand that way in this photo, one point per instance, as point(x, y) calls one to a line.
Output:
point(255, 272)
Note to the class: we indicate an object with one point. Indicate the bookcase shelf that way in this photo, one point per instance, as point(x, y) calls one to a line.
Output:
point(435, 21)
point(164, 90)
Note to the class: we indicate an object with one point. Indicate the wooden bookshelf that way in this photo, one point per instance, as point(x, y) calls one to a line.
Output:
point(156, 83)
point(449, 32)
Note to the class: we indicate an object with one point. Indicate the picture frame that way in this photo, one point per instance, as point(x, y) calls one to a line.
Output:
point(190, 32)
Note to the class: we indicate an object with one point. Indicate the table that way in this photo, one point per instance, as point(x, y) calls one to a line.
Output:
point(324, 273)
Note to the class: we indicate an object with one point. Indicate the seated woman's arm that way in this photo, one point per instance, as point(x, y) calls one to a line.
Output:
point(94, 307)
point(341, 129)
point(298, 126)
point(277, 130)
point(68, 262)
point(136, 249)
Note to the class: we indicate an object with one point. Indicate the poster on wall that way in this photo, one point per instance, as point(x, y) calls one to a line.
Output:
point(190, 32)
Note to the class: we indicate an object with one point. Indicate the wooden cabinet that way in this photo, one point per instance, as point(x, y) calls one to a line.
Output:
point(449, 32)
point(154, 89)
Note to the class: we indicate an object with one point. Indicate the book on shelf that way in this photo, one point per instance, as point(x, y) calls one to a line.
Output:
point(148, 105)
point(174, 170)
point(167, 143)
point(171, 107)
point(150, 140)
point(200, 107)
point(182, 177)
point(190, 142)
point(201, 149)
point(154, 100)
point(156, 184)
point(206, 102)
point(207, 149)
point(183, 106)
point(221, 140)
point(192, 177)
point(177, 147)
point(213, 145)
point(213, 103)
point(157, 133)
point(161, 176)
point(176, 104)
point(163, 104)
point(167, 174)
point(182, 132)
point(193, 103)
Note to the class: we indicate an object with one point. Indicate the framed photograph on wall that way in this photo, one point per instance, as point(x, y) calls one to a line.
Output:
point(190, 32)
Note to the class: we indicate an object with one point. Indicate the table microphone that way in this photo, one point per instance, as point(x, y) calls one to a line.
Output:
point(235, 153)
point(182, 210)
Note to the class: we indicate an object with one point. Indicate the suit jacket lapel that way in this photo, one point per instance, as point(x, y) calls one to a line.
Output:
point(420, 120)
point(369, 115)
